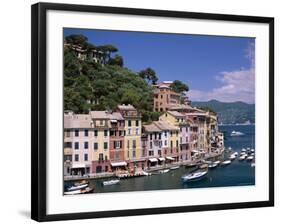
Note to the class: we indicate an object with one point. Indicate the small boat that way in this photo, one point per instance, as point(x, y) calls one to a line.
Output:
point(252, 154)
point(78, 186)
point(192, 164)
point(207, 162)
point(243, 150)
point(203, 166)
point(252, 150)
point(250, 158)
point(217, 162)
point(213, 165)
point(164, 171)
point(242, 157)
point(229, 148)
point(253, 164)
point(86, 190)
point(110, 182)
point(146, 173)
point(174, 167)
point(226, 162)
point(236, 133)
point(232, 157)
point(194, 176)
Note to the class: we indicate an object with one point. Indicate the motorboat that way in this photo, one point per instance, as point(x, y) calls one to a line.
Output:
point(80, 191)
point(252, 150)
point(213, 165)
point(110, 182)
point(253, 164)
point(250, 158)
point(164, 171)
point(226, 162)
point(203, 166)
point(243, 150)
point(78, 186)
point(174, 167)
point(236, 133)
point(232, 157)
point(194, 176)
point(242, 157)
point(217, 162)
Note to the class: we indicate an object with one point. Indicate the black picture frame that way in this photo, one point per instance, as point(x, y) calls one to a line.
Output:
point(39, 108)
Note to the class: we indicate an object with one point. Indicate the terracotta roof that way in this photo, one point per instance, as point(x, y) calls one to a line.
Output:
point(163, 125)
point(99, 114)
point(176, 113)
point(151, 128)
point(115, 116)
point(77, 121)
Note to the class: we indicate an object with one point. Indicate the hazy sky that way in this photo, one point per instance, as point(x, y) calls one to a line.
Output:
point(214, 67)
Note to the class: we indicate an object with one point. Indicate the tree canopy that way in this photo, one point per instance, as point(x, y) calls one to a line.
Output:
point(179, 87)
point(149, 75)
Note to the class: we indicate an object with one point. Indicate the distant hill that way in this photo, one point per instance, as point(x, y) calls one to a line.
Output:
point(230, 113)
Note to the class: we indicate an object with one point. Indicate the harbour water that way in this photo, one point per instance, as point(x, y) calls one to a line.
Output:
point(238, 173)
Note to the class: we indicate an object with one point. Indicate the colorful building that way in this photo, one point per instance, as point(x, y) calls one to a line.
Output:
point(133, 149)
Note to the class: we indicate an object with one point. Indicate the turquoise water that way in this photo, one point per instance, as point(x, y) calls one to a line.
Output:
point(238, 173)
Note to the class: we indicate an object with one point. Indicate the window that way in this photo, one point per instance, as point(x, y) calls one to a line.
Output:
point(105, 133)
point(151, 145)
point(105, 158)
point(129, 131)
point(67, 133)
point(68, 145)
point(85, 157)
point(96, 133)
point(96, 146)
point(150, 136)
point(76, 133)
point(137, 131)
point(86, 133)
point(134, 144)
point(150, 153)
point(177, 143)
point(86, 145)
point(101, 122)
point(134, 153)
point(171, 144)
point(165, 133)
point(160, 136)
point(165, 143)
point(120, 133)
point(76, 145)
point(159, 152)
point(129, 123)
point(100, 156)
point(105, 145)
point(137, 123)
point(155, 136)
point(117, 144)
point(76, 158)
point(128, 144)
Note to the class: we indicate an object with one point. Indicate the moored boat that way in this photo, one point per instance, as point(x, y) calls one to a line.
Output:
point(226, 162)
point(174, 167)
point(236, 133)
point(194, 176)
point(250, 158)
point(217, 162)
point(110, 182)
point(80, 191)
point(232, 157)
point(242, 157)
point(164, 171)
point(78, 186)
point(213, 165)
point(253, 164)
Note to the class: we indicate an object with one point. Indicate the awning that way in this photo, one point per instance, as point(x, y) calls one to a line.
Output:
point(123, 163)
point(153, 160)
point(170, 158)
point(78, 165)
point(161, 159)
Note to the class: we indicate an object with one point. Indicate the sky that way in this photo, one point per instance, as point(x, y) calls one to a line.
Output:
point(214, 67)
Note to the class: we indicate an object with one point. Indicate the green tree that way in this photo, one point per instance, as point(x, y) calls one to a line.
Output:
point(149, 75)
point(77, 39)
point(117, 60)
point(179, 87)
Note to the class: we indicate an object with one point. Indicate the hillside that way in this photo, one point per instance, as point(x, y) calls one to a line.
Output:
point(230, 113)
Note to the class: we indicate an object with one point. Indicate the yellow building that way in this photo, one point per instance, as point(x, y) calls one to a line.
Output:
point(132, 139)
point(100, 141)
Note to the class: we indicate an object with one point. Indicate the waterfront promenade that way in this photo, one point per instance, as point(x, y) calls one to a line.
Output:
point(140, 172)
